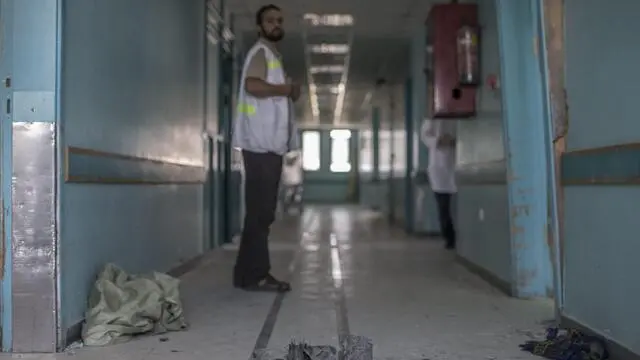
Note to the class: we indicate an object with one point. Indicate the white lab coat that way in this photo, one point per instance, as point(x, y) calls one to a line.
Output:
point(442, 161)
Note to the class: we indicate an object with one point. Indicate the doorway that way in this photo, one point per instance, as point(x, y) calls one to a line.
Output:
point(224, 181)
point(330, 165)
point(228, 180)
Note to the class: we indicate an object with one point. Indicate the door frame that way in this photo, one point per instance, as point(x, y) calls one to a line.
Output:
point(225, 122)
point(6, 131)
point(552, 50)
point(409, 191)
point(212, 143)
point(223, 158)
point(354, 159)
point(391, 188)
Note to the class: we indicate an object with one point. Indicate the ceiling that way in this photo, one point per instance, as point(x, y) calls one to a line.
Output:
point(378, 48)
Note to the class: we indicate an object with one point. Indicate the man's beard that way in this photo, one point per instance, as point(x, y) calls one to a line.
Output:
point(274, 36)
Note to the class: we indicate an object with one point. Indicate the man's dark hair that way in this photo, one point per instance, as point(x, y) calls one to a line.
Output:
point(264, 9)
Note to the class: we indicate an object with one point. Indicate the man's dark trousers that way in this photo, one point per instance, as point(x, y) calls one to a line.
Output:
point(447, 228)
point(262, 180)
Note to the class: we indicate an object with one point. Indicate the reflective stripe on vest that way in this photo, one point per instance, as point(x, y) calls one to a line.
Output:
point(246, 109)
point(250, 109)
point(274, 64)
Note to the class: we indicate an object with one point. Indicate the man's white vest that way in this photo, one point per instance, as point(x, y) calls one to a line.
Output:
point(265, 124)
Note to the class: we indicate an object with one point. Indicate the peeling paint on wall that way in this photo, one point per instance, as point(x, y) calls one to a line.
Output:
point(554, 27)
point(524, 99)
point(519, 210)
point(526, 277)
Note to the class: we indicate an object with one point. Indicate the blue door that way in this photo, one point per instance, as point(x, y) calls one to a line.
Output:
point(224, 150)
point(228, 163)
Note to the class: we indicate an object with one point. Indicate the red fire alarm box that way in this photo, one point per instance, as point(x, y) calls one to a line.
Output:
point(452, 67)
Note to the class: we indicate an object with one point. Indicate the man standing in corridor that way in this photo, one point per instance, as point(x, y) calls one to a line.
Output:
point(440, 138)
point(264, 131)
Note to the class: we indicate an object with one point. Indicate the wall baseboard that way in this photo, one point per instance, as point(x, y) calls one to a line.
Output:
point(486, 275)
point(617, 351)
point(74, 332)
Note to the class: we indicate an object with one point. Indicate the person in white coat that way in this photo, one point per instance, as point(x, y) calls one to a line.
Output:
point(440, 138)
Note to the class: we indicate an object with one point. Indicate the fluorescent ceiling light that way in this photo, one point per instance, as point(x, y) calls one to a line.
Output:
point(333, 89)
point(332, 69)
point(339, 89)
point(313, 99)
point(337, 113)
point(339, 49)
point(329, 19)
point(340, 134)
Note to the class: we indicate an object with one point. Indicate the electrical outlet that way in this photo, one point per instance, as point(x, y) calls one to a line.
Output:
point(481, 214)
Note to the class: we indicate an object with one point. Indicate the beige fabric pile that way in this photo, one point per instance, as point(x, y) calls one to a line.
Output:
point(122, 306)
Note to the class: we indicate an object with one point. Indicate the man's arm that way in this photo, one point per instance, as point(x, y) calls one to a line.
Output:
point(432, 139)
point(255, 82)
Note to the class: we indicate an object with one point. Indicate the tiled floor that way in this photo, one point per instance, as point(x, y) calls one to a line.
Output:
point(350, 274)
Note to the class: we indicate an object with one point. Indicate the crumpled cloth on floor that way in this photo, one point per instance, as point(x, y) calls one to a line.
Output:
point(122, 306)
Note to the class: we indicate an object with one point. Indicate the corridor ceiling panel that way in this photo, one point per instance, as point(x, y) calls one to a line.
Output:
point(344, 60)
point(328, 59)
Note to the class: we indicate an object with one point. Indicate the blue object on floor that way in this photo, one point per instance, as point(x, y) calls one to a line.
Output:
point(568, 344)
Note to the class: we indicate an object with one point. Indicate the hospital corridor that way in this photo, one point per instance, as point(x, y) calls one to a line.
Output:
point(319, 180)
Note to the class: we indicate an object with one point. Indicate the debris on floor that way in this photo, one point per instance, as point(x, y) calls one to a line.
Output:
point(356, 348)
point(122, 306)
point(568, 344)
point(303, 351)
point(71, 349)
point(351, 348)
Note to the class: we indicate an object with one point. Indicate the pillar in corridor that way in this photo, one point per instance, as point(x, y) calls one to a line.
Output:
point(375, 130)
point(29, 175)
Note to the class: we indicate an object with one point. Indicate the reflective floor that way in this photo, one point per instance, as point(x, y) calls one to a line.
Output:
point(351, 274)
